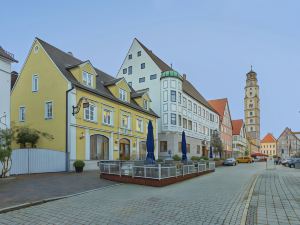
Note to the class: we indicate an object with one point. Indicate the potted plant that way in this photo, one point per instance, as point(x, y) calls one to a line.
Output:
point(78, 164)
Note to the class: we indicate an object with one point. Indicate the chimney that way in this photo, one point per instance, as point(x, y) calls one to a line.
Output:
point(184, 76)
point(70, 53)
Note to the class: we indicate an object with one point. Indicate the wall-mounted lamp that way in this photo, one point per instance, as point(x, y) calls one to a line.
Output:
point(85, 104)
point(82, 135)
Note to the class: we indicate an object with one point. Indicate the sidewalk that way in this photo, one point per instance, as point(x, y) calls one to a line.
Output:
point(276, 198)
point(36, 187)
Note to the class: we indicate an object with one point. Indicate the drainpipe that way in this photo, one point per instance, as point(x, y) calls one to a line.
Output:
point(67, 128)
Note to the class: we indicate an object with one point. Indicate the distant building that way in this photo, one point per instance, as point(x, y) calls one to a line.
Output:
point(288, 143)
point(239, 140)
point(222, 107)
point(179, 104)
point(6, 59)
point(252, 111)
point(268, 145)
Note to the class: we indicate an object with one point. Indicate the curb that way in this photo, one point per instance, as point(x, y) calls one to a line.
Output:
point(245, 212)
point(39, 202)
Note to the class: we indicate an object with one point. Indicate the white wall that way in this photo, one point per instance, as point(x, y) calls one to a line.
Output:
point(5, 79)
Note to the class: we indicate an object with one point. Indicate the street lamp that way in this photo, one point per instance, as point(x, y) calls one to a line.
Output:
point(85, 104)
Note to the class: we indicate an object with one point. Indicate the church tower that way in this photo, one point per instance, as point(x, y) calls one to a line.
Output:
point(252, 111)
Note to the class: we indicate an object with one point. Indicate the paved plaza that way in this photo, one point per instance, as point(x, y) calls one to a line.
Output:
point(217, 198)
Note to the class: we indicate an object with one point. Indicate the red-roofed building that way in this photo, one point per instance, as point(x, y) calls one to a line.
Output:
point(268, 145)
point(222, 108)
point(239, 140)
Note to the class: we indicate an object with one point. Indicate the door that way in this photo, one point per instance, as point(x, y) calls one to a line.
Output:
point(124, 149)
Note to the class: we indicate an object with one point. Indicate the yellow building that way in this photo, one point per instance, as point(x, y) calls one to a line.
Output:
point(268, 145)
point(90, 114)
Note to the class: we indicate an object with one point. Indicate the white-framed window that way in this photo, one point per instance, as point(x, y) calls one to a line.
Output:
point(146, 104)
point(165, 96)
point(173, 118)
point(184, 102)
point(124, 70)
point(22, 113)
point(35, 83)
point(87, 79)
point(48, 110)
point(125, 121)
point(143, 65)
point(173, 96)
point(139, 125)
point(130, 56)
point(179, 97)
point(142, 80)
point(190, 105)
point(165, 118)
point(153, 76)
point(122, 95)
point(129, 70)
point(90, 113)
point(107, 117)
point(139, 53)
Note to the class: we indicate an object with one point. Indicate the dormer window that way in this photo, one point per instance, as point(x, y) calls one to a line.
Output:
point(146, 104)
point(122, 95)
point(87, 79)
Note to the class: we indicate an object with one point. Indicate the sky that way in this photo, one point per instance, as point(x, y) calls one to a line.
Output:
point(213, 42)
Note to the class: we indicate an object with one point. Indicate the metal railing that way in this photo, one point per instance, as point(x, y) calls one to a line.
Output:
point(157, 171)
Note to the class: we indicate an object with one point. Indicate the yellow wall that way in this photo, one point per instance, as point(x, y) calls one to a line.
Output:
point(268, 148)
point(78, 70)
point(114, 89)
point(52, 87)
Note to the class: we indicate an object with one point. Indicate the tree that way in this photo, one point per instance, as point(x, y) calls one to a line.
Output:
point(246, 152)
point(26, 135)
point(216, 143)
point(6, 138)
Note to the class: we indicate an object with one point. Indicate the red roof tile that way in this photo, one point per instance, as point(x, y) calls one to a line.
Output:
point(219, 105)
point(237, 126)
point(268, 138)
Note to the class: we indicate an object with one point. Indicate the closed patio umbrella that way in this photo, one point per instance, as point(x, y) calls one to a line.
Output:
point(210, 152)
point(150, 144)
point(183, 147)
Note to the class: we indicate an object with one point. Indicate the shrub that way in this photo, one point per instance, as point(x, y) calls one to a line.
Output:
point(159, 160)
point(176, 158)
point(216, 159)
point(195, 158)
point(204, 157)
point(78, 164)
point(127, 158)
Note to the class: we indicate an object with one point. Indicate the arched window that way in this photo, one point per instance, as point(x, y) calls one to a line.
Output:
point(124, 149)
point(99, 147)
point(142, 150)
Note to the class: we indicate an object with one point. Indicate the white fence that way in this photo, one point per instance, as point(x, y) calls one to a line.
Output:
point(26, 161)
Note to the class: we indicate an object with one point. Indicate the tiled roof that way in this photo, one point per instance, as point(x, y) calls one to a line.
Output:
point(187, 87)
point(268, 138)
point(237, 126)
point(219, 105)
point(7, 55)
point(65, 61)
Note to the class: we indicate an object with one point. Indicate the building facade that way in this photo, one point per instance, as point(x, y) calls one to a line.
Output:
point(268, 145)
point(252, 111)
point(91, 115)
point(6, 59)
point(222, 107)
point(178, 103)
point(288, 143)
point(239, 139)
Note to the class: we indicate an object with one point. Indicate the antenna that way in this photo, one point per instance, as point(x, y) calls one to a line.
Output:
point(251, 67)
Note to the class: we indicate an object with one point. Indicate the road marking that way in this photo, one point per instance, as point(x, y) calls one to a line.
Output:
point(244, 217)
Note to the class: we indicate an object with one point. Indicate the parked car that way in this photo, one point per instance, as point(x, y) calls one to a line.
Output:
point(285, 162)
point(245, 159)
point(230, 162)
point(293, 162)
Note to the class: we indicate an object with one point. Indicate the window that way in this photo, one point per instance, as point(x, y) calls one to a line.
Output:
point(153, 77)
point(90, 113)
point(179, 146)
point(251, 113)
point(184, 102)
point(179, 97)
point(199, 111)
point(129, 70)
point(188, 148)
point(173, 118)
point(87, 79)
point(142, 80)
point(190, 125)
point(195, 126)
point(145, 104)
point(139, 125)
point(173, 96)
point(163, 146)
point(139, 53)
point(21, 113)
point(143, 66)
point(195, 108)
point(165, 118)
point(179, 120)
point(99, 147)
point(124, 70)
point(122, 95)
point(251, 120)
point(107, 117)
point(48, 110)
point(130, 84)
point(165, 96)
point(198, 149)
point(130, 56)
point(35, 83)
point(190, 105)
point(125, 121)
point(184, 121)
point(250, 105)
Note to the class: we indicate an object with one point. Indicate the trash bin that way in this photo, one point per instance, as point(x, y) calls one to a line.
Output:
point(297, 165)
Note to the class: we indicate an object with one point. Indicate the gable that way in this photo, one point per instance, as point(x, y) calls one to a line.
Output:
point(78, 70)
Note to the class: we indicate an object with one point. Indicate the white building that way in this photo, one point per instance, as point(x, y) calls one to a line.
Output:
point(6, 59)
point(178, 103)
point(239, 139)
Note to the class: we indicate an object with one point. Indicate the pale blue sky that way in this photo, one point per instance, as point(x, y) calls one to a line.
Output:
point(213, 42)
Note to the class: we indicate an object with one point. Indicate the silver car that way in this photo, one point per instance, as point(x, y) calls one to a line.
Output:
point(230, 162)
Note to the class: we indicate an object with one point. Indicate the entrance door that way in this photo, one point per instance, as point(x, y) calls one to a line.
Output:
point(124, 149)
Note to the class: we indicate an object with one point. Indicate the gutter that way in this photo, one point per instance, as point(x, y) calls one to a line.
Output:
point(67, 127)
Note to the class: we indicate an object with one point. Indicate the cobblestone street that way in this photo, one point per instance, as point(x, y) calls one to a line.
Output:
point(217, 198)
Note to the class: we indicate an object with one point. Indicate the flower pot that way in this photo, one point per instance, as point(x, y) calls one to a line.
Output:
point(78, 169)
